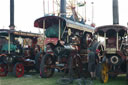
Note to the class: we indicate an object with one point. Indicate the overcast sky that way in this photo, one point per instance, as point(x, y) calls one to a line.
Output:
point(26, 11)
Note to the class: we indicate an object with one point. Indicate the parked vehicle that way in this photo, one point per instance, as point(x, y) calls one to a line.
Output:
point(115, 59)
point(66, 45)
point(115, 40)
point(18, 52)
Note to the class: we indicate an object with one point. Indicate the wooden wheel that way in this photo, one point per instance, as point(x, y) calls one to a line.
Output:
point(104, 73)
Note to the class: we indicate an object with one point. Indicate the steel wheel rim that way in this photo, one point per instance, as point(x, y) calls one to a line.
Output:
point(3, 70)
point(19, 70)
point(104, 73)
point(77, 67)
point(47, 67)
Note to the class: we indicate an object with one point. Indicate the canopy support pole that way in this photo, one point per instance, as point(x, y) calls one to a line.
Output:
point(104, 40)
point(9, 43)
point(117, 41)
point(43, 33)
point(59, 29)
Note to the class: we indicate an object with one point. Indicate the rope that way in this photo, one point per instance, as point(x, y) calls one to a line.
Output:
point(80, 81)
point(64, 81)
point(83, 81)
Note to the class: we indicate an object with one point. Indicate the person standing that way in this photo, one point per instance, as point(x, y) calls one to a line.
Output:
point(98, 63)
point(91, 63)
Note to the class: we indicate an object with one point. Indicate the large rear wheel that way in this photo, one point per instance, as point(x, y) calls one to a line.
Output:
point(18, 70)
point(3, 69)
point(104, 73)
point(46, 69)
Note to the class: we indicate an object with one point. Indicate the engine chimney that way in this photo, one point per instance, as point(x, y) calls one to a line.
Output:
point(63, 8)
point(115, 12)
point(12, 26)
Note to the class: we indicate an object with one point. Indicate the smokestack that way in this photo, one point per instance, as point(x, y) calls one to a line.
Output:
point(63, 8)
point(12, 26)
point(115, 12)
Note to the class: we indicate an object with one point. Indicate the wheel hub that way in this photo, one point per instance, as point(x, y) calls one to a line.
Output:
point(114, 59)
point(20, 70)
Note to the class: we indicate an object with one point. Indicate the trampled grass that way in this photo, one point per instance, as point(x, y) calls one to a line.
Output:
point(34, 79)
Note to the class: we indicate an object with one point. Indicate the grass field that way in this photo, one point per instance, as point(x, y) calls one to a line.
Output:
point(34, 79)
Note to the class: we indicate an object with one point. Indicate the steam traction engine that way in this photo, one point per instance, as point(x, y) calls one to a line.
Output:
point(18, 52)
point(67, 38)
point(115, 59)
point(66, 45)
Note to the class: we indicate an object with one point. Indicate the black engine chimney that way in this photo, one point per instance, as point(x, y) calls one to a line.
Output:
point(63, 8)
point(115, 12)
point(12, 26)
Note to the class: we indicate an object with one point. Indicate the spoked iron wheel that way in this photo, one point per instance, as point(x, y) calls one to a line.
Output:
point(3, 69)
point(75, 66)
point(104, 73)
point(46, 70)
point(18, 70)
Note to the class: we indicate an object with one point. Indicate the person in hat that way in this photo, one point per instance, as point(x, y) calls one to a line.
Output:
point(91, 63)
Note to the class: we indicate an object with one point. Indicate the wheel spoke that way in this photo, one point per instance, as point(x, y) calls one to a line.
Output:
point(46, 67)
point(1, 69)
point(104, 73)
point(19, 70)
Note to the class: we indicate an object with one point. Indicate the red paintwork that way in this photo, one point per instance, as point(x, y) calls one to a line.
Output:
point(34, 42)
point(39, 22)
point(51, 40)
point(3, 70)
point(3, 55)
point(19, 70)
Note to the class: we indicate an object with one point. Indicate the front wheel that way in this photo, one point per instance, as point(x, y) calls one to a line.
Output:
point(18, 70)
point(104, 73)
point(3, 69)
point(46, 69)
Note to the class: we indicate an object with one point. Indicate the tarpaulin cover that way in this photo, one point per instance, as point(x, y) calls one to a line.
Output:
point(12, 47)
point(53, 31)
